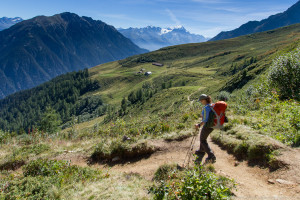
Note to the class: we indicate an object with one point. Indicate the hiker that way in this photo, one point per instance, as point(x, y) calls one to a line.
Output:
point(205, 131)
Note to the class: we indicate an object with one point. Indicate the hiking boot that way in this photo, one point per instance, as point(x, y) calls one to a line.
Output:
point(210, 159)
point(200, 156)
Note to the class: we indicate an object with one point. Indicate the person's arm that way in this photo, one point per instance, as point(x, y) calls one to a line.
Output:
point(205, 113)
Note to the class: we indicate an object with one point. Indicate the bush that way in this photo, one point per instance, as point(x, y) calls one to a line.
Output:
point(285, 75)
point(107, 151)
point(61, 170)
point(28, 188)
point(45, 167)
point(46, 179)
point(164, 172)
point(4, 136)
point(196, 183)
point(20, 155)
point(223, 96)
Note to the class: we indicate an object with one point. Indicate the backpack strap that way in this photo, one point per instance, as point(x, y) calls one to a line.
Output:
point(218, 116)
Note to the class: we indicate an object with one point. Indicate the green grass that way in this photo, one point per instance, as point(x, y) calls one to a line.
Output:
point(47, 179)
point(20, 155)
point(248, 144)
point(195, 61)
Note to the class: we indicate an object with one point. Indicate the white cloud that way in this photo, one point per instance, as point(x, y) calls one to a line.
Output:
point(173, 17)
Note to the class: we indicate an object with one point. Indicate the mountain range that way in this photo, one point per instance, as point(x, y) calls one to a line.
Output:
point(153, 38)
point(39, 49)
point(289, 17)
point(6, 22)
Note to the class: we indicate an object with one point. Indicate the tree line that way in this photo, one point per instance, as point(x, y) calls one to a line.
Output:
point(63, 95)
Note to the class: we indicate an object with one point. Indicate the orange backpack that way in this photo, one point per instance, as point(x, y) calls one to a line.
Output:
point(217, 115)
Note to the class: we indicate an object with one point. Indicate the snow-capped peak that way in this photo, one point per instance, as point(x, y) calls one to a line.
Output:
point(17, 19)
point(170, 29)
point(165, 30)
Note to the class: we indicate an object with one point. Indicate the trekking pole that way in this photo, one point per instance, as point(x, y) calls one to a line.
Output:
point(190, 150)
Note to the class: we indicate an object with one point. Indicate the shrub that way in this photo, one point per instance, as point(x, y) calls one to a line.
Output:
point(223, 96)
point(285, 75)
point(195, 183)
point(28, 188)
point(165, 127)
point(164, 171)
point(45, 179)
point(185, 117)
point(107, 151)
point(43, 167)
point(34, 149)
point(180, 126)
point(20, 155)
point(4, 136)
point(61, 170)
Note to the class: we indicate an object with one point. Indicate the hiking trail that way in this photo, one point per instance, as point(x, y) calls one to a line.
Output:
point(252, 182)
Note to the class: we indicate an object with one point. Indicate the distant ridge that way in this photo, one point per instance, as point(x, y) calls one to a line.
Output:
point(289, 17)
point(153, 38)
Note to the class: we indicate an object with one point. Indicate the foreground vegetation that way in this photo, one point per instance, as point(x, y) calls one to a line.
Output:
point(197, 183)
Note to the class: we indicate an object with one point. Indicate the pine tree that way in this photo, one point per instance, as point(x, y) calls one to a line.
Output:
point(50, 121)
point(124, 105)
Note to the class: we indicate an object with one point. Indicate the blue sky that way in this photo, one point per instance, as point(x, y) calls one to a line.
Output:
point(206, 17)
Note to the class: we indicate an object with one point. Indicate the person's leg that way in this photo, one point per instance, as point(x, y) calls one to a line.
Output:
point(204, 147)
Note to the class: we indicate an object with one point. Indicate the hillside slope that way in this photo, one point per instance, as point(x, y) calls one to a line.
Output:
point(189, 70)
point(289, 17)
point(36, 50)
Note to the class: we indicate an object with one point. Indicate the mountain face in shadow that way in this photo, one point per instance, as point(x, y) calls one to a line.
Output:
point(36, 50)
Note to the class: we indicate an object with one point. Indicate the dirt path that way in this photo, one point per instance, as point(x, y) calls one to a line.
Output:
point(189, 97)
point(252, 182)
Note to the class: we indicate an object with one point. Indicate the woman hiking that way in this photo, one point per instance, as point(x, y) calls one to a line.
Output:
point(205, 131)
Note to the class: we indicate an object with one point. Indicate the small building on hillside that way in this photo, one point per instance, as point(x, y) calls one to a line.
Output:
point(148, 73)
point(158, 64)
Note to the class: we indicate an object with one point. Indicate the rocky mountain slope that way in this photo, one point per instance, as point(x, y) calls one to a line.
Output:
point(37, 50)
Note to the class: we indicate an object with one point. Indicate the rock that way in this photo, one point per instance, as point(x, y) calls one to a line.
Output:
point(285, 182)
point(271, 181)
point(236, 163)
point(116, 159)
point(125, 138)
